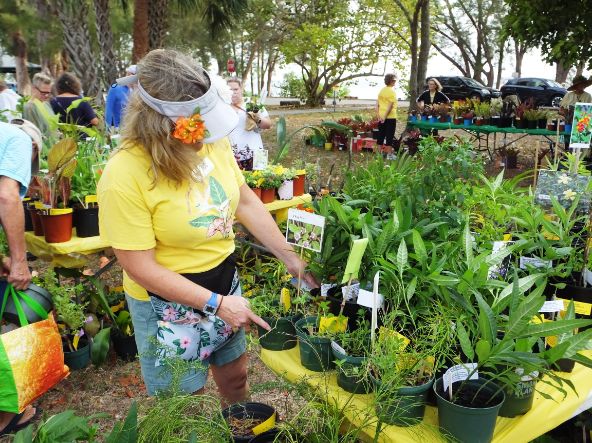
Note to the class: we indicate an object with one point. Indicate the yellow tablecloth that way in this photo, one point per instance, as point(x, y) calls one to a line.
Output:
point(70, 254)
point(279, 208)
point(544, 415)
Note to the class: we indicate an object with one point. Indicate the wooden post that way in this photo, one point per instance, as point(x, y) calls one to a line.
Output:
point(536, 164)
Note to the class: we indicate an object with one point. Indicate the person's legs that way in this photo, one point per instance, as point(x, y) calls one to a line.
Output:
point(229, 369)
point(381, 133)
point(6, 417)
point(389, 131)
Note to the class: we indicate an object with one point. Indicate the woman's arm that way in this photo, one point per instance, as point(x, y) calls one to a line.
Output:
point(257, 219)
point(143, 268)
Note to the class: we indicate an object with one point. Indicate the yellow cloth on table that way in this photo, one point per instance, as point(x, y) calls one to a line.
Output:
point(544, 415)
point(70, 254)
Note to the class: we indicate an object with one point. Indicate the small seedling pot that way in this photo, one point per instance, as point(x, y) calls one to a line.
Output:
point(315, 352)
point(252, 410)
point(469, 424)
point(282, 335)
point(80, 358)
point(406, 407)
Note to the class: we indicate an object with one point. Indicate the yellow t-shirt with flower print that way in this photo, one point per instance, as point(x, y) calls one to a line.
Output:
point(188, 226)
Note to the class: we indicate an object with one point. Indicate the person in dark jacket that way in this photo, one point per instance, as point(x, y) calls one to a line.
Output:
point(69, 90)
point(433, 95)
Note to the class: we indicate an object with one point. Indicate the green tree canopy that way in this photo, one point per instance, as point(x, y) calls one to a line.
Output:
point(562, 29)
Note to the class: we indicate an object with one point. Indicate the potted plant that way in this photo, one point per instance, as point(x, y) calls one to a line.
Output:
point(351, 350)
point(458, 108)
point(315, 344)
point(247, 420)
point(286, 189)
point(72, 317)
point(527, 105)
point(61, 161)
point(507, 113)
point(271, 182)
point(510, 155)
point(495, 109)
point(468, 116)
point(532, 118)
point(254, 179)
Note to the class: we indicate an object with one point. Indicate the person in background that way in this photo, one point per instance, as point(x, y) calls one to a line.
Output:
point(19, 144)
point(68, 90)
point(8, 101)
point(38, 110)
point(386, 110)
point(433, 95)
point(116, 101)
point(168, 200)
point(575, 94)
point(245, 138)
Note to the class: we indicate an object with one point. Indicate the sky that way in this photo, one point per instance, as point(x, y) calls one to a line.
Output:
point(368, 87)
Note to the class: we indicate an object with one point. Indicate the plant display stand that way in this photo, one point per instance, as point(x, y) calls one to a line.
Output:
point(279, 208)
point(544, 415)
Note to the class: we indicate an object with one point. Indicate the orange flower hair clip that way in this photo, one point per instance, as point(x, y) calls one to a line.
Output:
point(190, 129)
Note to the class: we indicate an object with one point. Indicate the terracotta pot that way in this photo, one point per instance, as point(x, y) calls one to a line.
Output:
point(257, 192)
point(57, 225)
point(479, 122)
point(299, 185)
point(268, 195)
point(36, 219)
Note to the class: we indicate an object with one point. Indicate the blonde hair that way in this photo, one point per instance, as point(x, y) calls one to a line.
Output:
point(172, 76)
point(438, 84)
point(236, 80)
point(41, 79)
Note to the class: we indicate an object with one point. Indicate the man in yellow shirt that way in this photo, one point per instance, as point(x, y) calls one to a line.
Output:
point(386, 109)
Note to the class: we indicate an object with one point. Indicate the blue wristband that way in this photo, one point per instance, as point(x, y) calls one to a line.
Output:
point(211, 307)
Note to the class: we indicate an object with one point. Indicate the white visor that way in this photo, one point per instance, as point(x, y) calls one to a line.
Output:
point(218, 116)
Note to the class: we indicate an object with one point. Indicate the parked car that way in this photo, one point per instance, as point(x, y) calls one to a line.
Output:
point(545, 92)
point(461, 88)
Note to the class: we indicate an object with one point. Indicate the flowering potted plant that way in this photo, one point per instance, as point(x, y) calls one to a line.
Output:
point(254, 179)
point(271, 181)
point(286, 189)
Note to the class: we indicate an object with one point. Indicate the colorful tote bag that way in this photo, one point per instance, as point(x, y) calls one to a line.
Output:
point(31, 363)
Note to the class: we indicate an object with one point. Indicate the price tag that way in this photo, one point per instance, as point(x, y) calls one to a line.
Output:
point(535, 262)
point(285, 299)
point(260, 159)
point(553, 306)
point(588, 276)
point(350, 293)
point(459, 373)
point(325, 288)
point(366, 298)
point(338, 348)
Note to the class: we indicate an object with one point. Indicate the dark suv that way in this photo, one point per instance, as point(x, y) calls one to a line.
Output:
point(461, 88)
point(545, 92)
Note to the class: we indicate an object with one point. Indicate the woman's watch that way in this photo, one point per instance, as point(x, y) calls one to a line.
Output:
point(212, 305)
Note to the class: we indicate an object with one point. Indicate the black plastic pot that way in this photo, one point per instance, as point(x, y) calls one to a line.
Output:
point(266, 437)
point(28, 219)
point(251, 410)
point(521, 123)
point(355, 383)
point(37, 293)
point(124, 345)
point(80, 358)
point(315, 352)
point(469, 424)
point(542, 123)
point(282, 335)
point(519, 399)
point(505, 122)
point(511, 161)
point(533, 124)
point(406, 407)
point(573, 292)
point(86, 221)
point(565, 365)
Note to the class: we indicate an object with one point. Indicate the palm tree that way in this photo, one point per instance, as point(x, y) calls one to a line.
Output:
point(105, 39)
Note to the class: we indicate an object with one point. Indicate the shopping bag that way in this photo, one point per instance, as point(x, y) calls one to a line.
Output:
point(24, 307)
point(31, 363)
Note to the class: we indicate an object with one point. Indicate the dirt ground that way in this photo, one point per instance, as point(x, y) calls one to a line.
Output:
point(110, 389)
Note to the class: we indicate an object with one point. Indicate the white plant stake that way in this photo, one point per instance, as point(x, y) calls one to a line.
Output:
point(374, 320)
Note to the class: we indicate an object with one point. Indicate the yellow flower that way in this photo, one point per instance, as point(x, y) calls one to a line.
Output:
point(569, 194)
point(260, 182)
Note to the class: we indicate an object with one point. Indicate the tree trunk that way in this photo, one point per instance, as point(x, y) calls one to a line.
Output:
point(140, 34)
point(500, 63)
point(520, 50)
point(249, 65)
point(580, 68)
point(22, 74)
point(158, 23)
point(105, 38)
point(561, 72)
point(77, 45)
point(424, 46)
point(414, 84)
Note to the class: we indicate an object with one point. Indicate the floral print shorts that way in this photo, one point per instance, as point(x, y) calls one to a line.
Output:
point(188, 333)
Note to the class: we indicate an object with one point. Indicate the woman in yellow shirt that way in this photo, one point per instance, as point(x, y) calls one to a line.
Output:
point(386, 110)
point(168, 199)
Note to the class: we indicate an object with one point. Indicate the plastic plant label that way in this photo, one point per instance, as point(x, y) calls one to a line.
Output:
point(352, 268)
point(338, 348)
point(305, 229)
point(91, 199)
point(459, 373)
point(366, 298)
point(535, 262)
point(588, 276)
point(385, 332)
point(260, 159)
point(285, 299)
point(350, 293)
point(332, 324)
point(325, 288)
point(501, 269)
point(553, 306)
point(303, 285)
point(579, 306)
